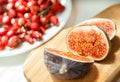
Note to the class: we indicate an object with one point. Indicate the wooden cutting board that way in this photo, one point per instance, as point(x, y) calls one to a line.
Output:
point(103, 71)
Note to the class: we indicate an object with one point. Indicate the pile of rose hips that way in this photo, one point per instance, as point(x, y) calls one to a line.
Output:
point(26, 20)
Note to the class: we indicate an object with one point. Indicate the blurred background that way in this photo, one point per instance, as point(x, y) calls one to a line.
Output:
point(82, 10)
point(85, 9)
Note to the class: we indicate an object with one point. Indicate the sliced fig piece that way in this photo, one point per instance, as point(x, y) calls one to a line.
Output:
point(89, 41)
point(106, 24)
point(65, 65)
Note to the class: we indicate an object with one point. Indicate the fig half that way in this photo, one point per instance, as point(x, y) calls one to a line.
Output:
point(65, 65)
point(89, 41)
point(106, 24)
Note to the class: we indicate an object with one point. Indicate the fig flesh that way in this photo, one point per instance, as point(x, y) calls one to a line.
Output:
point(65, 65)
point(106, 24)
point(89, 41)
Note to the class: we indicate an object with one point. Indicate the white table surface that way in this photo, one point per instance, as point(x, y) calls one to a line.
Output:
point(11, 68)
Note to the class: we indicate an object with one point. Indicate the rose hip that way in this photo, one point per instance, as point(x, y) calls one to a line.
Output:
point(13, 41)
point(35, 18)
point(12, 13)
point(37, 35)
point(31, 3)
point(34, 26)
point(3, 31)
point(28, 39)
point(21, 21)
point(6, 20)
point(26, 20)
point(10, 33)
point(2, 46)
point(27, 15)
point(54, 20)
point(4, 40)
point(21, 8)
point(10, 6)
point(14, 21)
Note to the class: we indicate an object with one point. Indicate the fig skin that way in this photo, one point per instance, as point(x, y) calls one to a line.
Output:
point(90, 41)
point(64, 67)
point(107, 25)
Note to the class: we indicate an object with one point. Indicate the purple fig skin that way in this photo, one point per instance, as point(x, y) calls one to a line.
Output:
point(65, 68)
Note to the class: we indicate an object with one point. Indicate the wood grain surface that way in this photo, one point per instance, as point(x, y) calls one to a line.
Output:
point(103, 71)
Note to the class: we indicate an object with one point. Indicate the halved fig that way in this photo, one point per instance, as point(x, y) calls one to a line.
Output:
point(65, 65)
point(89, 41)
point(106, 24)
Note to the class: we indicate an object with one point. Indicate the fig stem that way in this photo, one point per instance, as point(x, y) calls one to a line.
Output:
point(63, 69)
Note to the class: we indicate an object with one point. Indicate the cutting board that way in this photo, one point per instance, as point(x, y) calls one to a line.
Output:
point(102, 71)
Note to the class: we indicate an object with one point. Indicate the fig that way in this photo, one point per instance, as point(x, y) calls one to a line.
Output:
point(106, 24)
point(65, 65)
point(88, 41)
